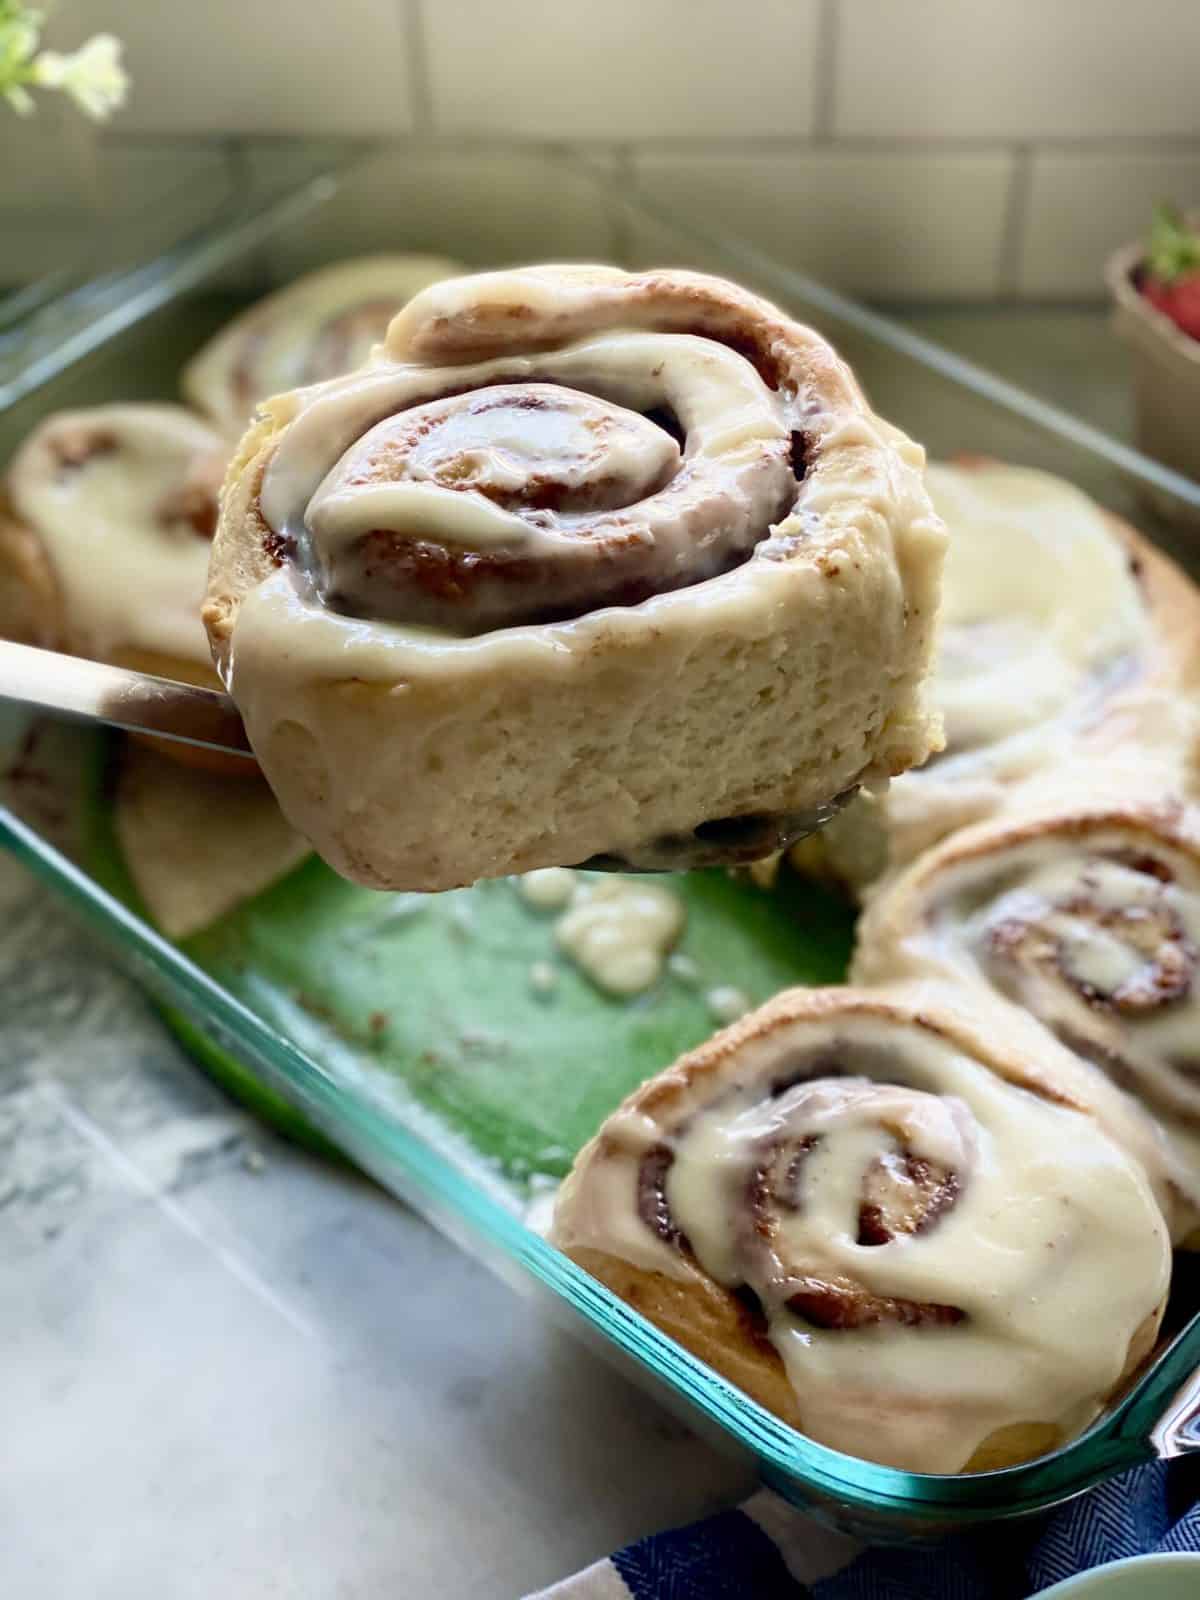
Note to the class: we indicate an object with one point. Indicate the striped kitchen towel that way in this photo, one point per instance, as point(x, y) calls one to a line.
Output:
point(769, 1551)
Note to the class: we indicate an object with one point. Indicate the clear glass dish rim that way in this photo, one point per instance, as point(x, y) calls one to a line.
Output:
point(795, 1465)
point(204, 250)
point(788, 1460)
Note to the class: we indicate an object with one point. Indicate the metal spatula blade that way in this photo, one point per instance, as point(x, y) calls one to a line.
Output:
point(91, 691)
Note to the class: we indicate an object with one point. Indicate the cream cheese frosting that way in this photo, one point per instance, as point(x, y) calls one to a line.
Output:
point(124, 501)
point(1041, 610)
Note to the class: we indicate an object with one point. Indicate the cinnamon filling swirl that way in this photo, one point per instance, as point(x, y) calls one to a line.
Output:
point(537, 488)
point(905, 1154)
point(1099, 941)
point(930, 1244)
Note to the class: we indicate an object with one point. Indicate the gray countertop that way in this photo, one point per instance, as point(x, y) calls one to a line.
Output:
point(229, 1368)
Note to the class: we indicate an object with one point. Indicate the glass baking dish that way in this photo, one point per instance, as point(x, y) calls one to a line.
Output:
point(485, 205)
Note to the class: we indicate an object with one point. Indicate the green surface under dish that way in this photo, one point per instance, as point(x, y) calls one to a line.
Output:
point(431, 994)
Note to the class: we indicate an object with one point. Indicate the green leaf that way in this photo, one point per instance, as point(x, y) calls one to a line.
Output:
point(1173, 248)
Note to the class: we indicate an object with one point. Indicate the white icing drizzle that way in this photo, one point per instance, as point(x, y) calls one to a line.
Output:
point(548, 888)
point(727, 1003)
point(1051, 1246)
point(431, 468)
point(619, 930)
point(1039, 604)
point(543, 978)
point(130, 565)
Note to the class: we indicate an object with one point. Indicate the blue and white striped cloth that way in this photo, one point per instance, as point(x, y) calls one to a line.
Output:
point(771, 1552)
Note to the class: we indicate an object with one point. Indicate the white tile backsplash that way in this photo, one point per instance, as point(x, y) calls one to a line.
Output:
point(626, 69)
point(259, 66)
point(475, 206)
point(1082, 205)
point(44, 159)
point(1021, 69)
point(901, 225)
point(916, 149)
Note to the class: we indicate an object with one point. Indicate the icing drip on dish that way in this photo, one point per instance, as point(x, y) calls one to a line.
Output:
point(619, 932)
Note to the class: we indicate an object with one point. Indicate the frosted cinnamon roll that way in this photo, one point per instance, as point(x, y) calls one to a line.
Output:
point(586, 563)
point(323, 324)
point(1057, 620)
point(1088, 919)
point(889, 1226)
point(120, 503)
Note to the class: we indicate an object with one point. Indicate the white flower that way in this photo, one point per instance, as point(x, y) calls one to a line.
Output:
point(92, 75)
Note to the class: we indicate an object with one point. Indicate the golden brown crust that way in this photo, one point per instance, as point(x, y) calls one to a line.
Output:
point(1172, 603)
point(30, 604)
point(238, 564)
point(705, 1319)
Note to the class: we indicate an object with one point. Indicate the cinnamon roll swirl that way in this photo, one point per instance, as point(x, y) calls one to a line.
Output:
point(886, 1224)
point(1086, 918)
point(586, 563)
point(117, 506)
point(1060, 626)
point(323, 324)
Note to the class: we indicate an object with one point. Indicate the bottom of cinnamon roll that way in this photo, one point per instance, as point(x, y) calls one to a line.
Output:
point(723, 841)
point(886, 1224)
point(195, 845)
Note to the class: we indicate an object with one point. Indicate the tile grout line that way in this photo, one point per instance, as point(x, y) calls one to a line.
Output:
point(1015, 226)
point(416, 48)
point(825, 69)
point(621, 238)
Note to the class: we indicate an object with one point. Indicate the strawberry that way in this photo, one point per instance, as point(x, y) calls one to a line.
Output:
point(1170, 274)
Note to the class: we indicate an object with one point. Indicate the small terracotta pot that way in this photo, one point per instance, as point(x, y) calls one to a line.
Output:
point(1166, 378)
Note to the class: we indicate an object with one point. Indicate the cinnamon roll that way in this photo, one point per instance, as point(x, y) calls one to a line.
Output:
point(586, 563)
point(323, 324)
point(117, 505)
point(195, 844)
point(895, 1230)
point(1061, 628)
point(1087, 918)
